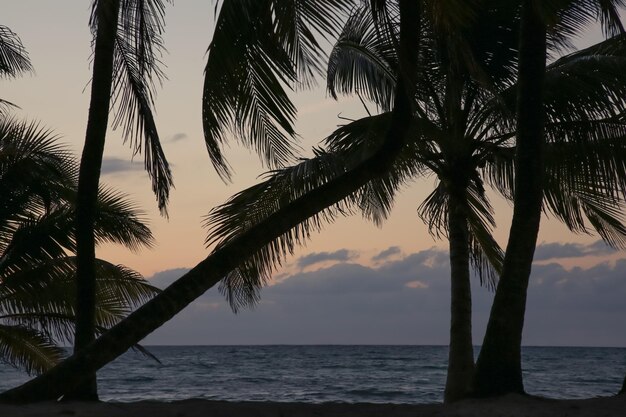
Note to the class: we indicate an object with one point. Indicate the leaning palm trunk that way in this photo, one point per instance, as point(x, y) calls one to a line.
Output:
point(623, 390)
point(73, 371)
point(498, 369)
point(88, 181)
point(460, 357)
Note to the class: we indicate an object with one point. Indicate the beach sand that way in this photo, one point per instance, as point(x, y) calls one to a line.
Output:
point(509, 406)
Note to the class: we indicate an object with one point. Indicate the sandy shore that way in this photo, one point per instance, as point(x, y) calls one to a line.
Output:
point(510, 406)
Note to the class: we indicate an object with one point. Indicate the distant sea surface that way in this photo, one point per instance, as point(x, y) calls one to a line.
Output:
point(377, 374)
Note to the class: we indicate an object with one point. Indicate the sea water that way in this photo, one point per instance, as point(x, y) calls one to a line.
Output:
point(375, 374)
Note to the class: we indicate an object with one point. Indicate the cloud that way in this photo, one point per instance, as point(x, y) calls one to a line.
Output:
point(387, 253)
point(113, 165)
point(178, 137)
point(164, 278)
point(405, 300)
point(548, 251)
point(318, 257)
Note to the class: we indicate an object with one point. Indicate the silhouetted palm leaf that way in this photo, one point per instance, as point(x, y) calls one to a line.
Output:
point(13, 57)
point(120, 221)
point(138, 48)
point(260, 48)
point(585, 132)
point(28, 349)
point(42, 297)
point(363, 62)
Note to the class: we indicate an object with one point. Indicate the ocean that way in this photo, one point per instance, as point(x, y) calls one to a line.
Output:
point(375, 374)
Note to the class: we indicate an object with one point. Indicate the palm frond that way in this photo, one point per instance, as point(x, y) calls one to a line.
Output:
point(5, 106)
point(35, 174)
point(121, 290)
point(13, 56)
point(434, 211)
point(37, 240)
point(43, 297)
point(296, 25)
point(584, 104)
point(486, 256)
point(138, 48)
point(260, 48)
point(243, 86)
point(583, 86)
point(257, 203)
point(363, 137)
point(363, 62)
point(381, 9)
point(586, 208)
point(31, 154)
point(586, 184)
point(118, 220)
point(28, 349)
point(589, 84)
point(568, 18)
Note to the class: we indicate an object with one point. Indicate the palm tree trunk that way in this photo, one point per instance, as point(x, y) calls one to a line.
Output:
point(623, 390)
point(71, 372)
point(88, 181)
point(461, 354)
point(498, 369)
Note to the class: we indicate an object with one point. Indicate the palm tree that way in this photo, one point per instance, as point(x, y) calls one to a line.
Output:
point(502, 370)
point(125, 67)
point(37, 291)
point(499, 369)
point(464, 152)
point(284, 225)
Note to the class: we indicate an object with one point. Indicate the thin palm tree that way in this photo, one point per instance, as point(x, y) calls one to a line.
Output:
point(285, 225)
point(37, 241)
point(499, 369)
point(127, 44)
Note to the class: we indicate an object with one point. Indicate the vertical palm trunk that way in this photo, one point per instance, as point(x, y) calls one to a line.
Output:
point(88, 181)
point(72, 372)
point(498, 370)
point(461, 354)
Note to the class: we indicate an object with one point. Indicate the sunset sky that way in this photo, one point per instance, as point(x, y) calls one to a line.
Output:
point(353, 283)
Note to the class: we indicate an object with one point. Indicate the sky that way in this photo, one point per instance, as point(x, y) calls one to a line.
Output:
point(352, 283)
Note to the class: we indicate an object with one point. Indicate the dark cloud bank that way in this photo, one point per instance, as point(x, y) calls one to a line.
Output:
point(404, 301)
